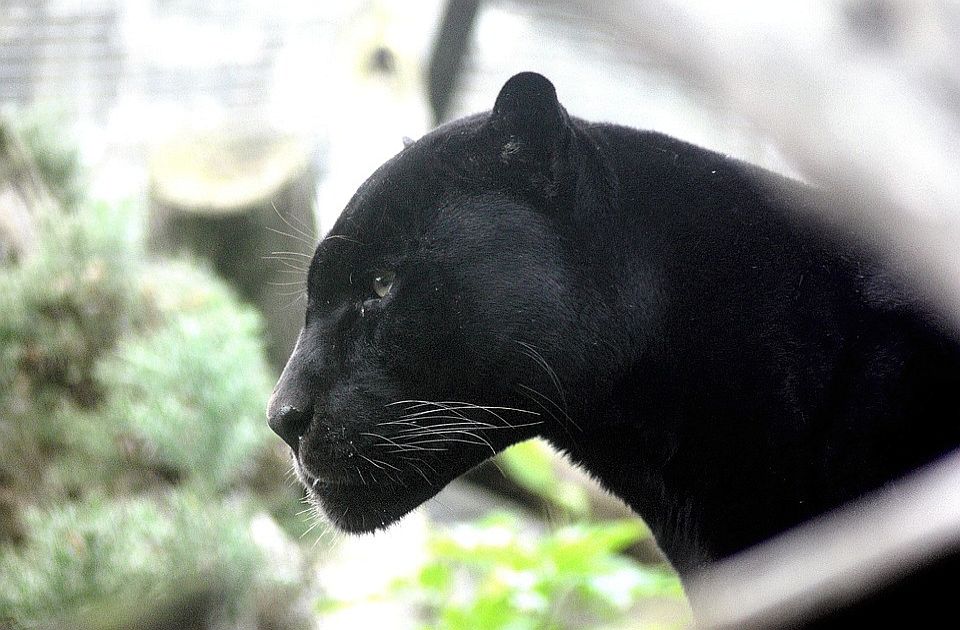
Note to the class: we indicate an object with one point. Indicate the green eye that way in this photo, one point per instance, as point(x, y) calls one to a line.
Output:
point(382, 283)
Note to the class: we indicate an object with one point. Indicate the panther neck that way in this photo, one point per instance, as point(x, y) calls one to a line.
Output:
point(638, 470)
point(704, 494)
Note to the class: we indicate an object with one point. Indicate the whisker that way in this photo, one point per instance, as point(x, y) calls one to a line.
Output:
point(412, 447)
point(536, 356)
point(387, 440)
point(301, 254)
point(310, 529)
point(299, 231)
point(302, 222)
point(550, 400)
point(457, 419)
point(341, 237)
point(496, 464)
point(478, 442)
point(456, 407)
point(288, 263)
point(295, 237)
point(302, 296)
point(328, 530)
point(377, 463)
point(427, 464)
point(461, 406)
point(293, 257)
point(388, 465)
point(414, 403)
point(406, 448)
point(439, 408)
point(496, 415)
point(493, 407)
point(417, 468)
point(444, 428)
point(402, 422)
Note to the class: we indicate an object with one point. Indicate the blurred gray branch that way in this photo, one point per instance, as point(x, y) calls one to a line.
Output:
point(449, 48)
point(836, 559)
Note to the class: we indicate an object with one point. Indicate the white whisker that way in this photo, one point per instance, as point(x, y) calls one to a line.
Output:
point(532, 352)
point(307, 241)
point(549, 400)
point(478, 442)
point(299, 231)
point(417, 468)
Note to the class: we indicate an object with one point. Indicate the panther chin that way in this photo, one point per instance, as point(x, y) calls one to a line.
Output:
point(361, 507)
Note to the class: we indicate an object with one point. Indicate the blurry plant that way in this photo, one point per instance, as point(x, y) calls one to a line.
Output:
point(131, 425)
point(189, 396)
point(531, 465)
point(494, 575)
point(61, 310)
point(93, 552)
point(110, 362)
point(497, 575)
point(55, 156)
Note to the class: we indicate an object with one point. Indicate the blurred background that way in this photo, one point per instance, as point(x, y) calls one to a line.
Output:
point(166, 168)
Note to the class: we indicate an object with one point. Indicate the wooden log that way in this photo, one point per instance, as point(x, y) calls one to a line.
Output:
point(23, 196)
point(243, 200)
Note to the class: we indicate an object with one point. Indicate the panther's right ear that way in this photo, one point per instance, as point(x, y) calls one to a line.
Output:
point(527, 106)
point(530, 123)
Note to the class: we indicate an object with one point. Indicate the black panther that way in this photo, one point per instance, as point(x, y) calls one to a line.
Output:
point(681, 324)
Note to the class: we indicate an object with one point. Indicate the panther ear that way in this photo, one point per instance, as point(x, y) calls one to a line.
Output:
point(531, 125)
point(528, 102)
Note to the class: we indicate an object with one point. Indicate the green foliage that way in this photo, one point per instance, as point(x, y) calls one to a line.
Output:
point(113, 366)
point(92, 552)
point(61, 311)
point(70, 302)
point(56, 157)
point(494, 575)
point(190, 395)
point(530, 464)
point(131, 408)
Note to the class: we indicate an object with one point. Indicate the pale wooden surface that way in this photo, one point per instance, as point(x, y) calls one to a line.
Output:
point(23, 196)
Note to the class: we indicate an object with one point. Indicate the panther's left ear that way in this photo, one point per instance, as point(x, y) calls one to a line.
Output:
point(531, 125)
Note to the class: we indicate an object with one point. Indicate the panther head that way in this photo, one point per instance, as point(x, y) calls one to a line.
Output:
point(446, 315)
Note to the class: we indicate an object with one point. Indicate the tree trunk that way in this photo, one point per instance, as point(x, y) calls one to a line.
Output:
point(22, 196)
point(244, 202)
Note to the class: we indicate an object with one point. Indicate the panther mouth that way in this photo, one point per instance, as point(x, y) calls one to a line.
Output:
point(359, 507)
point(364, 479)
point(316, 481)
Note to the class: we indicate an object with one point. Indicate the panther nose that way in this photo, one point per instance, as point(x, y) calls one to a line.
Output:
point(290, 407)
point(289, 423)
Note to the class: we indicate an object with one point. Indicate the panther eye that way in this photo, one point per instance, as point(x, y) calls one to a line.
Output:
point(382, 283)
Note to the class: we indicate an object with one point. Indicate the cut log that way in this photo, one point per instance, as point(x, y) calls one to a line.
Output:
point(242, 200)
point(23, 196)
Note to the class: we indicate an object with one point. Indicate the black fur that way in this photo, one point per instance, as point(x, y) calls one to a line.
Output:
point(677, 321)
